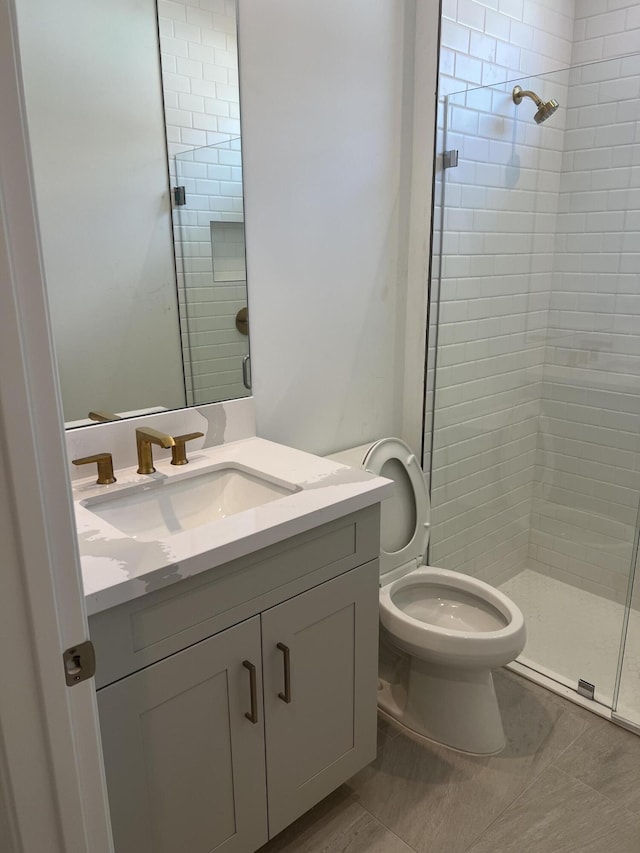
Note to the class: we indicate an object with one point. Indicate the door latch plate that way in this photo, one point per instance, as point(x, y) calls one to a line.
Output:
point(79, 663)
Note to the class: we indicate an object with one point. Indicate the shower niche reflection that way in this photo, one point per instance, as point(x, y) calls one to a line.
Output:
point(534, 366)
point(211, 272)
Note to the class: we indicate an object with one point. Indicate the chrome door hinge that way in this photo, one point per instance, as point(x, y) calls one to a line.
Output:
point(586, 689)
point(79, 663)
point(450, 159)
point(179, 196)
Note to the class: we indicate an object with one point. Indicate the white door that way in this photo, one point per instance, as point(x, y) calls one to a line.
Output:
point(184, 749)
point(50, 763)
point(320, 670)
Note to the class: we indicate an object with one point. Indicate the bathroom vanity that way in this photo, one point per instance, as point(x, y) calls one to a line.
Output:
point(236, 658)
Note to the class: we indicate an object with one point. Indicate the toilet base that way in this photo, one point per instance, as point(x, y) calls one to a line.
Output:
point(454, 707)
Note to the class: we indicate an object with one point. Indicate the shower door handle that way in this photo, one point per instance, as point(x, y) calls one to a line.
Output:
point(246, 372)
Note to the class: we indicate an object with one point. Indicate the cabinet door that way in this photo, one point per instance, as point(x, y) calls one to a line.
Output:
point(184, 765)
point(326, 732)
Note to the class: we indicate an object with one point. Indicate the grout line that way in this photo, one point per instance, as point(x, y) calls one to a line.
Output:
point(511, 803)
point(536, 775)
point(596, 791)
point(383, 824)
point(589, 725)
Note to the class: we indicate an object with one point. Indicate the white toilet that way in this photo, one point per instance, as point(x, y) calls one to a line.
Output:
point(442, 632)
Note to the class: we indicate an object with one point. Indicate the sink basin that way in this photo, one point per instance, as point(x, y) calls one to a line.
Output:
point(166, 507)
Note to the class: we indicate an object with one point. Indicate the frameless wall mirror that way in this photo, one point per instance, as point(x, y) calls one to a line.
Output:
point(134, 122)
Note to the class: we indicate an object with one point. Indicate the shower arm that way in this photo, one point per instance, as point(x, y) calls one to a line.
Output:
point(519, 94)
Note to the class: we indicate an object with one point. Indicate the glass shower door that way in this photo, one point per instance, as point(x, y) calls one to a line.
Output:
point(626, 706)
point(534, 357)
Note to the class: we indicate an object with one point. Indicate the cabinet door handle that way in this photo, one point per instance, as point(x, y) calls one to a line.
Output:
point(286, 696)
point(253, 715)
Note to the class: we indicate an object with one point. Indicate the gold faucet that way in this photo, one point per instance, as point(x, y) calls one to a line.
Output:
point(105, 467)
point(103, 417)
point(145, 437)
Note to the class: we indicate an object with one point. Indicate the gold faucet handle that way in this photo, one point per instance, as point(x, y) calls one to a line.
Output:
point(179, 450)
point(102, 417)
point(105, 467)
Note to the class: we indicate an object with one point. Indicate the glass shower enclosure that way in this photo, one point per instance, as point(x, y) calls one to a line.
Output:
point(209, 241)
point(532, 436)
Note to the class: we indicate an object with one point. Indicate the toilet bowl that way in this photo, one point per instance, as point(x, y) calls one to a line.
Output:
point(442, 632)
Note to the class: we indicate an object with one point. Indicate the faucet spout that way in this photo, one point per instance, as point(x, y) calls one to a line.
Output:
point(145, 437)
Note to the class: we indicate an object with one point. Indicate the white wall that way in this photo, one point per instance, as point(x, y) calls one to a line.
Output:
point(323, 118)
point(328, 317)
point(95, 116)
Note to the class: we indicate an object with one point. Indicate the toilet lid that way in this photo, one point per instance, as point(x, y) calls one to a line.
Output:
point(406, 515)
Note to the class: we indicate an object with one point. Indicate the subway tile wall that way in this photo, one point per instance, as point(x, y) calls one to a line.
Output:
point(199, 54)
point(499, 227)
point(214, 348)
point(588, 458)
point(535, 449)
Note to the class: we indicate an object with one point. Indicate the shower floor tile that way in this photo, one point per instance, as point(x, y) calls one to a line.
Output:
point(573, 634)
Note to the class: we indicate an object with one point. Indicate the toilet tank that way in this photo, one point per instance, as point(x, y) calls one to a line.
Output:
point(353, 456)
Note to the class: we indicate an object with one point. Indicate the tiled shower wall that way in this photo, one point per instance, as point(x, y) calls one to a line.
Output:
point(198, 42)
point(199, 51)
point(500, 219)
point(534, 408)
point(211, 298)
point(588, 460)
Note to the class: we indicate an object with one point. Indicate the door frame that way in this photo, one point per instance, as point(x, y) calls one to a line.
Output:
point(52, 789)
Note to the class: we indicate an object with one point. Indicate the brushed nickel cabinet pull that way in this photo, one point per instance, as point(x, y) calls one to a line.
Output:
point(253, 715)
point(286, 696)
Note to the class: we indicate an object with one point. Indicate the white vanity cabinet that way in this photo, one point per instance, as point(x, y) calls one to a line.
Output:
point(326, 731)
point(184, 765)
point(232, 732)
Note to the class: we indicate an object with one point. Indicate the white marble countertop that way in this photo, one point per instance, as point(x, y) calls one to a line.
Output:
point(117, 567)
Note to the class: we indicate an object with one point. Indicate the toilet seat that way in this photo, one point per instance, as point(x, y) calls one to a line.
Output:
point(495, 633)
point(405, 516)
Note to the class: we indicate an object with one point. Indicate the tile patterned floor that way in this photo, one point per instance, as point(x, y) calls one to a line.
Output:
point(572, 634)
point(567, 782)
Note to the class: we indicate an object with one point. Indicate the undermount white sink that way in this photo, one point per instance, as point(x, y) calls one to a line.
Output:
point(166, 507)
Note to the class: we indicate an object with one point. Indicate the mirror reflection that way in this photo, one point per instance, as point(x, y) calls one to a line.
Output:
point(133, 114)
point(211, 270)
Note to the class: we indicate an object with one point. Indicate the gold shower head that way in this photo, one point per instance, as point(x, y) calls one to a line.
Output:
point(545, 108)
